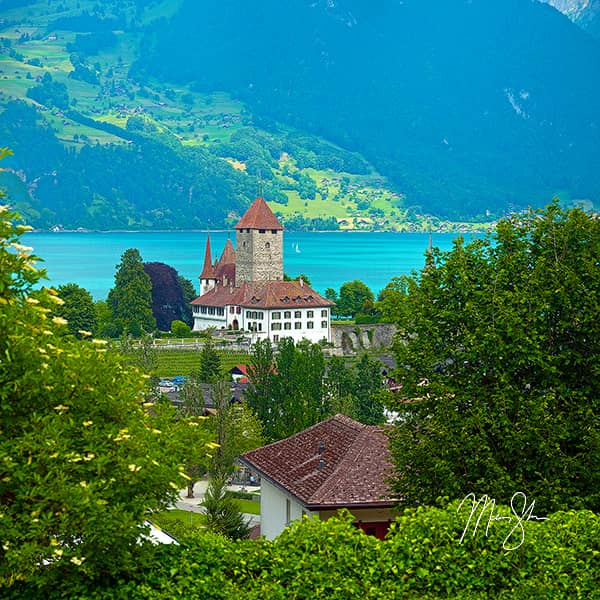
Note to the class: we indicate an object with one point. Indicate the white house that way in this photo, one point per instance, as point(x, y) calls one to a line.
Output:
point(244, 288)
point(336, 464)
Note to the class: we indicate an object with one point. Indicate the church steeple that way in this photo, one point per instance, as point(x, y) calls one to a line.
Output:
point(208, 278)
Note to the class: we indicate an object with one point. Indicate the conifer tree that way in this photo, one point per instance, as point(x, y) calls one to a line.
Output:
point(131, 298)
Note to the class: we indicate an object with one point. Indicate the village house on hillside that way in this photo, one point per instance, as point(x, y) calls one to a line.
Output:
point(338, 463)
point(244, 289)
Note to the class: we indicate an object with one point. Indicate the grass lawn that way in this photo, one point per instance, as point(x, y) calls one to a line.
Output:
point(164, 518)
point(183, 362)
point(249, 506)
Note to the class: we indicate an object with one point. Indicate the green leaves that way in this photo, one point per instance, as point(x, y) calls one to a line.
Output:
point(499, 338)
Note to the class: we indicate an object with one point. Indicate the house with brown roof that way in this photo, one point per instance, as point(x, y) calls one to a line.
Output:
point(244, 288)
point(338, 463)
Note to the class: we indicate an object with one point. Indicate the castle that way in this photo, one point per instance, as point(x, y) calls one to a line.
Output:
point(244, 289)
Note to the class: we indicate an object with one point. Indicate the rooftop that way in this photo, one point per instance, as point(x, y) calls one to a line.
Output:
point(259, 216)
point(338, 462)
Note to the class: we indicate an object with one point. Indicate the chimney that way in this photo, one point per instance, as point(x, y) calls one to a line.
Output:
point(321, 447)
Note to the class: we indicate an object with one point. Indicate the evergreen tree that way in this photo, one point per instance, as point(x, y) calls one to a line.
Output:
point(221, 511)
point(210, 363)
point(131, 298)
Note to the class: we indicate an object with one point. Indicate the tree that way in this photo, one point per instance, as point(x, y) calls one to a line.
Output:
point(131, 298)
point(168, 297)
point(236, 430)
point(353, 295)
point(286, 391)
point(77, 308)
point(189, 293)
point(499, 351)
point(82, 459)
point(221, 511)
point(210, 363)
point(356, 392)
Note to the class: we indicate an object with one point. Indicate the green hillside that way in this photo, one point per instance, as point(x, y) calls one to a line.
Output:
point(96, 148)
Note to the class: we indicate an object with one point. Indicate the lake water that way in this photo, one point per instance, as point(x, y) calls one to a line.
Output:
point(328, 258)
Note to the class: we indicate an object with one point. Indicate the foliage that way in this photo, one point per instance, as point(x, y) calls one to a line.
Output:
point(499, 350)
point(221, 512)
point(141, 353)
point(236, 430)
point(333, 559)
point(354, 298)
point(131, 298)
point(168, 298)
point(356, 391)
point(286, 390)
point(82, 459)
point(210, 363)
point(77, 308)
point(180, 329)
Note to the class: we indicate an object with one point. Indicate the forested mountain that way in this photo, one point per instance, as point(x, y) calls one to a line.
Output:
point(467, 106)
point(176, 113)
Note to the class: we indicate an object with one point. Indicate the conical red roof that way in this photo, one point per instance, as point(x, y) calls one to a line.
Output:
point(207, 272)
point(228, 256)
point(259, 216)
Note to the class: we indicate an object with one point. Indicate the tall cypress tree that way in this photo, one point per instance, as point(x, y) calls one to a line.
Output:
point(131, 298)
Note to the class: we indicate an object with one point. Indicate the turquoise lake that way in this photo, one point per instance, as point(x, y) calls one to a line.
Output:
point(329, 258)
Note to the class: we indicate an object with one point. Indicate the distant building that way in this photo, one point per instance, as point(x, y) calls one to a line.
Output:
point(244, 288)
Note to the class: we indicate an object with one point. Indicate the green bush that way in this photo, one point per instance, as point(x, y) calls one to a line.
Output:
point(180, 329)
point(423, 558)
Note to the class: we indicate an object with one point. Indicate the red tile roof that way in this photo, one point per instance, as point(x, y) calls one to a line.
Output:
point(333, 464)
point(259, 216)
point(208, 271)
point(269, 294)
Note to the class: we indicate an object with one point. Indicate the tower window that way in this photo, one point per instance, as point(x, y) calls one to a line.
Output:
point(274, 231)
point(261, 231)
point(267, 245)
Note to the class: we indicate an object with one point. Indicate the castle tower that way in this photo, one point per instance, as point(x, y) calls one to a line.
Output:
point(259, 245)
point(208, 278)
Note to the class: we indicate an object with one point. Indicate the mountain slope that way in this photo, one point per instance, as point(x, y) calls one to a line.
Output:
point(586, 13)
point(467, 106)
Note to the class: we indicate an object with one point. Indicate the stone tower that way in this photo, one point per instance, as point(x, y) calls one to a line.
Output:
point(259, 245)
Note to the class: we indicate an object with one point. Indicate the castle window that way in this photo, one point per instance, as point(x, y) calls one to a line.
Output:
point(248, 313)
point(203, 310)
point(287, 325)
point(276, 315)
point(323, 324)
point(268, 245)
point(275, 338)
point(220, 311)
point(274, 231)
point(297, 314)
point(309, 314)
point(287, 314)
point(310, 325)
point(232, 309)
point(238, 310)
point(297, 325)
point(275, 326)
point(324, 312)
point(261, 231)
